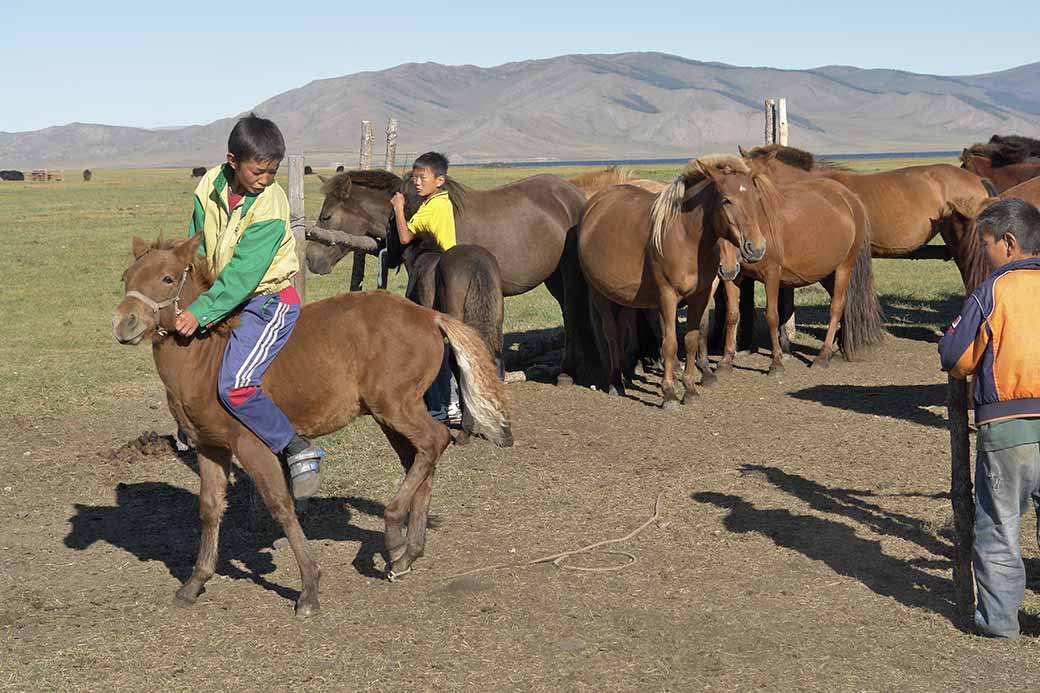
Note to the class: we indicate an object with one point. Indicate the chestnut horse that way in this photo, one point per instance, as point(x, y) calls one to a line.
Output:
point(904, 205)
point(643, 250)
point(527, 225)
point(816, 231)
point(592, 182)
point(372, 353)
point(958, 230)
point(1002, 177)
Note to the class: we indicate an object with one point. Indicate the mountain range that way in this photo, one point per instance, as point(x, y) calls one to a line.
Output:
point(601, 107)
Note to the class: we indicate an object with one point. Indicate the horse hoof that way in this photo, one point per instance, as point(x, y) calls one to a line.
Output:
point(709, 380)
point(307, 609)
point(821, 363)
point(616, 390)
point(776, 369)
point(670, 404)
point(394, 575)
point(724, 367)
point(563, 380)
point(462, 438)
point(185, 597)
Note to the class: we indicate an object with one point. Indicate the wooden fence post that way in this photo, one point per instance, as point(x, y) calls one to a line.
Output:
point(770, 134)
point(365, 159)
point(961, 496)
point(781, 122)
point(391, 145)
point(298, 221)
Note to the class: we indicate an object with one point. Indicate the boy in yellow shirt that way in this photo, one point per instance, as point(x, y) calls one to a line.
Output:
point(435, 216)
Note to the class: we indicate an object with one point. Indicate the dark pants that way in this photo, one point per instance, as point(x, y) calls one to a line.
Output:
point(266, 323)
point(438, 396)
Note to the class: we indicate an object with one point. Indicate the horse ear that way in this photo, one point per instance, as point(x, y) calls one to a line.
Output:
point(188, 250)
point(323, 179)
point(744, 154)
point(140, 247)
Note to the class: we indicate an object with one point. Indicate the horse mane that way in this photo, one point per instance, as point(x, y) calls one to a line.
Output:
point(792, 156)
point(594, 181)
point(1005, 150)
point(457, 193)
point(204, 276)
point(668, 203)
point(339, 185)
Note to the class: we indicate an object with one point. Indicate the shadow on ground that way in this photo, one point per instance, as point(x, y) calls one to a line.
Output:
point(836, 544)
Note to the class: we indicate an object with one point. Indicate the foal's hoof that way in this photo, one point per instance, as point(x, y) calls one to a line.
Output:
point(185, 596)
point(463, 438)
point(563, 380)
point(709, 379)
point(306, 609)
point(670, 404)
point(724, 367)
point(822, 362)
point(776, 369)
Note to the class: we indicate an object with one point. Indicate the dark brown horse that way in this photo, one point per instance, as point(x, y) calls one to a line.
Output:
point(903, 204)
point(816, 231)
point(643, 250)
point(1002, 177)
point(958, 230)
point(394, 350)
point(528, 226)
point(463, 282)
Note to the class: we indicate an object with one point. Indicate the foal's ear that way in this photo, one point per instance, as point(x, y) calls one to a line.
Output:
point(744, 154)
point(140, 247)
point(188, 250)
point(323, 179)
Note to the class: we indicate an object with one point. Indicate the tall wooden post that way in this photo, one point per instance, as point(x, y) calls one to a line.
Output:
point(770, 133)
point(781, 122)
point(391, 145)
point(961, 496)
point(298, 221)
point(365, 160)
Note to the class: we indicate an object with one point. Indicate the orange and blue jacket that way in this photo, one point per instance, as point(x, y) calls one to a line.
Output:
point(997, 337)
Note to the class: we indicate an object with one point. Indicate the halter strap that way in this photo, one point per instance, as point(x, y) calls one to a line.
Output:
point(174, 300)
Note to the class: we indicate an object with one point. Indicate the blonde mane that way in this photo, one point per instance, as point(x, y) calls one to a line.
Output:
point(594, 181)
point(668, 203)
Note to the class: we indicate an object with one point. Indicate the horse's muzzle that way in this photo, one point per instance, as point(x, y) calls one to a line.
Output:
point(729, 274)
point(127, 328)
point(751, 253)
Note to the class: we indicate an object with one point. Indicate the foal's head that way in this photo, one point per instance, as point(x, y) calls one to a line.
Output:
point(737, 203)
point(158, 284)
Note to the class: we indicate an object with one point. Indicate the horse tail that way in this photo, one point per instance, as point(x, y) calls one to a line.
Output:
point(482, 310)
point(863, 321)
point(485, 395)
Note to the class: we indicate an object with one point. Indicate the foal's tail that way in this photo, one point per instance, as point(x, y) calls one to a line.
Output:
point(863, 321)
point(482, 310)
point(485, 395)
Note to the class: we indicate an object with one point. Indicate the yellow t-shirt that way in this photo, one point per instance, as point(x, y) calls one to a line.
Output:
point(436, 216)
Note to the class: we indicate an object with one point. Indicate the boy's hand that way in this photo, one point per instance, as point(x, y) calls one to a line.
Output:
point(397, 202)
point(186, 323)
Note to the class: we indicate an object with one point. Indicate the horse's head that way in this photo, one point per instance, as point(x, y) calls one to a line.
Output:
point(737, 203)
point(976, 163)
point(357, 203)
point(158, 284)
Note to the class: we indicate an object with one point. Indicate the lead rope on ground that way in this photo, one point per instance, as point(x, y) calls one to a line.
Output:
point(557, 559)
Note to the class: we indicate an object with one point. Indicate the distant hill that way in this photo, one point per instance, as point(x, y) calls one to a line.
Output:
point(629, 105)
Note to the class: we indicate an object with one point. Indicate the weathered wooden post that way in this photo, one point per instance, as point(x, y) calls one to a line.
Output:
point(298, 221)
point(781, 122)
point(365, 159)
point(391, 145)
point(961, 496)
point(770, 133)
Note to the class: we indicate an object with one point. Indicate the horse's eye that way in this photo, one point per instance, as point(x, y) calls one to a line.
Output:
point(325, 217)
point(167, 279)
point(727, 201)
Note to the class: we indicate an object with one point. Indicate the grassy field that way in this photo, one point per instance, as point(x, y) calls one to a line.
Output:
point(68, 244)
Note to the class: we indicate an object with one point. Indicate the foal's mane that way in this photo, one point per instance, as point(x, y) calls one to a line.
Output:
point(792, 156)
point(668, 204)
point(594, 181)
point(377, 179)
point(204, 276)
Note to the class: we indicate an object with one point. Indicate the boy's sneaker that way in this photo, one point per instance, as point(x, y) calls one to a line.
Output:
point(304, 463)
point(454, 414)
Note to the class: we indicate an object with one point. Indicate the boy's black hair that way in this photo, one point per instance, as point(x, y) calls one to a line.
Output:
point(1014, 216)
point(435, 161)
point(255, 138)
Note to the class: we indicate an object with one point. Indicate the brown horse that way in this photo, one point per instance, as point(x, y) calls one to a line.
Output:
point(463, 282)
point(394, 350)
point(528, 226)
point(1002, 177)
point(958, 229)
point(643, 250)
point(592, 182)
point(816, 231)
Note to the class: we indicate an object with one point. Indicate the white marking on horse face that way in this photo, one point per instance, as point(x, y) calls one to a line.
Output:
point(743, 189)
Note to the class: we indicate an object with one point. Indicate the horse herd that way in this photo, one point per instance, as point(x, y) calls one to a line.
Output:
point(619, 255)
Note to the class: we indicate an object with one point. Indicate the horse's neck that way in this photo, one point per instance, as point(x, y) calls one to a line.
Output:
point(190, 368)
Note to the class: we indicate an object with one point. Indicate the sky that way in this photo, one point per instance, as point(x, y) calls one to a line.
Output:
point(153, 64)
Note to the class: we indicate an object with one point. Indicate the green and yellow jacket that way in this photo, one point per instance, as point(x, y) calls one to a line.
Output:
point(250, 248)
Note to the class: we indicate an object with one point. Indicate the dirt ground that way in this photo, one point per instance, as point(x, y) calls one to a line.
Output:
point(802, 544)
